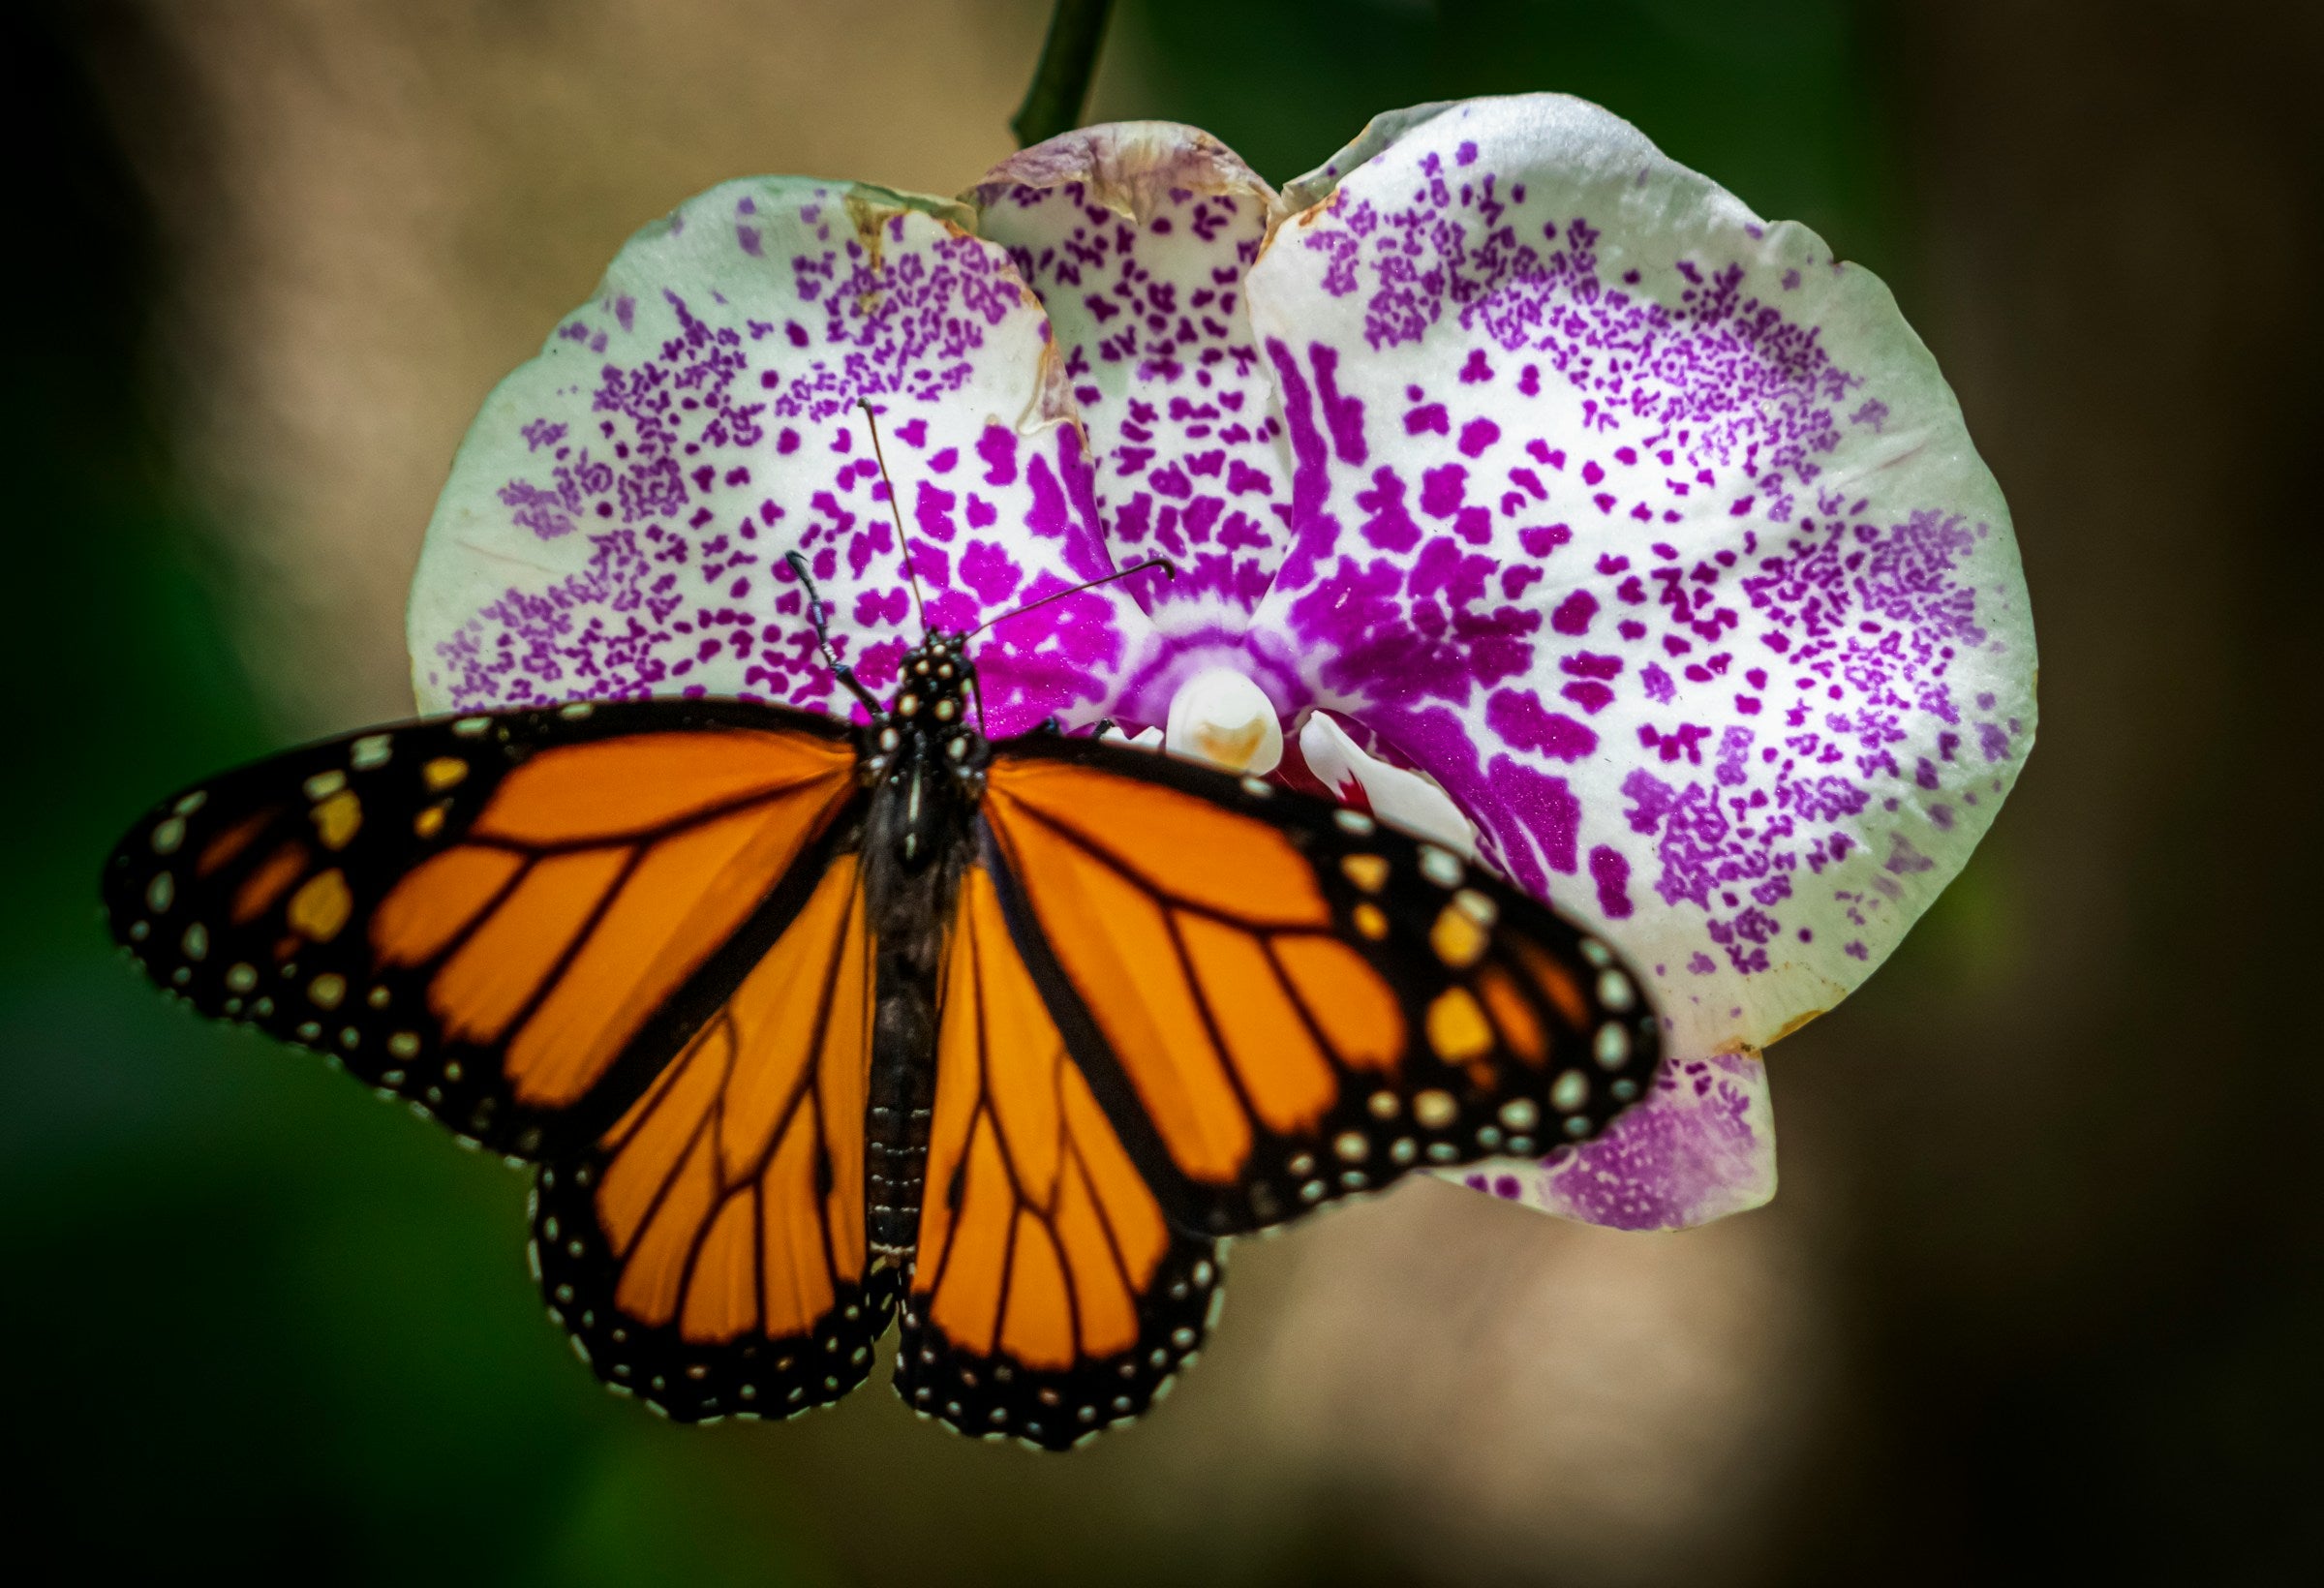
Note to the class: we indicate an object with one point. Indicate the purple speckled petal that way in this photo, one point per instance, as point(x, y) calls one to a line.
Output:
point(1137, 235)
point(1699, 1147)
point(1652, 533)
point(616, 521)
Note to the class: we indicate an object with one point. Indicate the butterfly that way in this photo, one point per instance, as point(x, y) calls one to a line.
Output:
point(809, 1027)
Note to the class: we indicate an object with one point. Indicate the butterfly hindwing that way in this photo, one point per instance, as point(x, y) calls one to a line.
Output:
point(709, 1253)
point(510, 919)
point(1051, 1296)
point(1280, 1002)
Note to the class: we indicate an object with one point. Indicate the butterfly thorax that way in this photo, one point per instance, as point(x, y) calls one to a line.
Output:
point(924, 761)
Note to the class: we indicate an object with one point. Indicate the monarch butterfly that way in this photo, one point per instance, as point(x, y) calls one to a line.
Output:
point(806, 1026)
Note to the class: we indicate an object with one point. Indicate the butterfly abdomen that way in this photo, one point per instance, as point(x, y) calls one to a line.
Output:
point(909, 897)
point(902, 1095)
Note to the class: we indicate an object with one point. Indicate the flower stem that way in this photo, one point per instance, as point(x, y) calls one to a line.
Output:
point(1060, 85)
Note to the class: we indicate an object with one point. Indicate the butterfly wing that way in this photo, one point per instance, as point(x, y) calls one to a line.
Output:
point(1277, 1002)
point(512, 921)
point(709, 1252)
point(1050, 1295)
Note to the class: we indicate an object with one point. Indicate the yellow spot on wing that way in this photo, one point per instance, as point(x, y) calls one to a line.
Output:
point(443, 773)
point(319, 909)
point(1457, 1027)
point(1367, 872)
point(1458, 940)
point(338, 818)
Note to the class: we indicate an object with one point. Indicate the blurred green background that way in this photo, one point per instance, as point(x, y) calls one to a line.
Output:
point(2041, 1293)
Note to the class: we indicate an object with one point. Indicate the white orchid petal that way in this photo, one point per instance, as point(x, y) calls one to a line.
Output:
point(616, 518)
point(1652, 532)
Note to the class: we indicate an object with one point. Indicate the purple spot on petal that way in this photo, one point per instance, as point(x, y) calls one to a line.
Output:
point(1610, 871)
point(1520, 719)
point(1574, 614)
point(1428, 419)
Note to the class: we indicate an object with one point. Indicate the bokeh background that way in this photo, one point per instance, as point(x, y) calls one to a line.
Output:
point(2042, 1290)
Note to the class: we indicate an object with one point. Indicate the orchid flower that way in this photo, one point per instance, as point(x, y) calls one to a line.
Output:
point(1520, 482)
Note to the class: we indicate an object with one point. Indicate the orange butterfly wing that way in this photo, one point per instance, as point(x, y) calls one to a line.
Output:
point(1277, 1002)
point(512, 921)
point(709, 1253)
point(1050, 1295)
point(630, 942)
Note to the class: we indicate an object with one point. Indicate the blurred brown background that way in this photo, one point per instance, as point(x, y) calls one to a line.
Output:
point(2041, 1293)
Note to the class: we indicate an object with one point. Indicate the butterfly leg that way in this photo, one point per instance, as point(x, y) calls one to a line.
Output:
point(830, 658)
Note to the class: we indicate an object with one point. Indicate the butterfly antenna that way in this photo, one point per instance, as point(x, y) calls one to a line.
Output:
point(1163, 562)
point(894, 511)
point(830, 658)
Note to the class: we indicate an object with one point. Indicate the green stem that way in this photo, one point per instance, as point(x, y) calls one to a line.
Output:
point(1060, 87)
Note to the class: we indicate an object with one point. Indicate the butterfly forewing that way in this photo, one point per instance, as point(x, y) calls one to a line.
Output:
point(1280, 1002)
point(514, 920)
